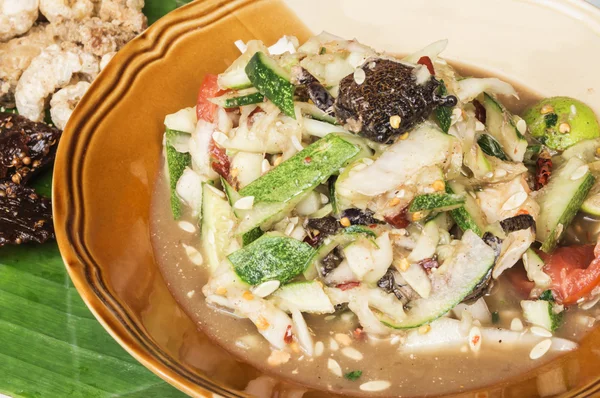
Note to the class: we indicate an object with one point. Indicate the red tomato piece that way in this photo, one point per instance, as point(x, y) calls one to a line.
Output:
point(206, 110)
point(575, 271)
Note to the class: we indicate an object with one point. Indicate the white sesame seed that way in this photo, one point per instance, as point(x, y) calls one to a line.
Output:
point(334, 367)
point(516, 324)
point(193, 254)
point(191, 293)
point(324, 199)
point(296, 143)
point(500, 173)
point(289, 229)
point(539, 331)
point(400, 193)
point(368, 161)
point(220, 193)
point(540, 349)
point(265, 166)
point(266, 288)
point(343, 339)
point(352, 353)
point(187, 226)
point(489, 174)
point(319, 348)
point(579, 172)
point(359, 76)
point(515, 201)
point(219, 137)
point(479, 126)
point(333, 345)
point(376, 385)
point(475, 339)
point(329, 317)
point(522, 126)
point(244, 203)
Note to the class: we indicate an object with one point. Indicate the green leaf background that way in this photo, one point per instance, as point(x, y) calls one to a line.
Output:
point(50, 343)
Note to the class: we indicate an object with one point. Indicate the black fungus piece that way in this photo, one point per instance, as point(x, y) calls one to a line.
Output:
point(494, 242)
point(360, 217)
point(326, 226)
point(331, 261)
point(388, 284)
point(517, 223)
point(389, 89)
point(24, 215)
point(481, 289)
point(25, 147)
point(317, 93)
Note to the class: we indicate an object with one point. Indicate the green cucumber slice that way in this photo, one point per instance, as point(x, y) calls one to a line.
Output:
point(591, 204)
point(307, 296)
point(469, 216)
point(217, 226)
point(272, 81)
point(235, 76)
point(239, 98)
point(491, 147)
point(271, 257)
point(454, 281)
point(443, 113)
point(500, 125)
point(436, 201)
point(560, 200)
point(286, 185)
point(313, 112)
point(540, 313)
point(176, 163)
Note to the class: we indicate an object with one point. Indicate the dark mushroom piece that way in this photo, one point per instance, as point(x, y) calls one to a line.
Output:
point(517, 223)
point(25, 147)
point(481, 289)
point(359, 217)
point(317, 93)
point(389, 100)
point(24, 215)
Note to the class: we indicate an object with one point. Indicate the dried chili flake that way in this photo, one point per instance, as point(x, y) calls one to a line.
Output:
point(359, 334)
point(425, 60)
point(543, 170)
point(399, 220)
point(219, 161)
point(288, 338)
point(348, 285)
point(429, 263)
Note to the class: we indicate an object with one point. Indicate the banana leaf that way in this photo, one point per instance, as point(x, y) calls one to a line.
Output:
point(50, 343)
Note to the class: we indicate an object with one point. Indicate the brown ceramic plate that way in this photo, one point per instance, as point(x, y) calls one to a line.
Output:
point(111, 151)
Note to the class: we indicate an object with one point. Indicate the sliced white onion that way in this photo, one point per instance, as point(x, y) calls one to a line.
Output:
point(321, 129)
point(189, 189)
point(199, 149)
point(302, 332)
point(432, 51)
point(478, 310)
point(180, 141)
point(283, 45)
point(513, 248)
point(471, 87)
point(184, 120)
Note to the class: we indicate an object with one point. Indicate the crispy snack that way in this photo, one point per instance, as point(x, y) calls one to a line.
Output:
point(25, 216)
point(25, 147)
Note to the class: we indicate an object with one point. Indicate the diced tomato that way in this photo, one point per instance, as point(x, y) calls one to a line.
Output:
point(206, 110)
point(575, 271)
point(398, 220)
point(425, 60)
point(288, 338)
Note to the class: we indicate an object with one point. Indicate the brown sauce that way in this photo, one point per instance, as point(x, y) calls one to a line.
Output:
point(441, 372)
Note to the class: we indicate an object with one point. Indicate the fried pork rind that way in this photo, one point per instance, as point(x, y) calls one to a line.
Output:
point(24, 215)
point(25, 147)
point(17, 17)
point(61, 10)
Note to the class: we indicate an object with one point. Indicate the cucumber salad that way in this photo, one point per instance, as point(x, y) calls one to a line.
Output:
point(329, 178)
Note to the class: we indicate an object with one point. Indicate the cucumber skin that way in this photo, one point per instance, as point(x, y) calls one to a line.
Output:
point(297, 175)
point(251, 236)
point(235, 102)
point(463, 219)
point(570, 212)
point(176, 164)
point(271, 257)
point(433, 201)
point(275, 87)
point(491, 147)
point(442, 113)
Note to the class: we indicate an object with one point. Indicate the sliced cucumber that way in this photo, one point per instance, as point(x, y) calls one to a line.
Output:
point(235, 76)
point(426, 243)
point(314, 112)
point(176, 164)
point(540, 313)
point(217, 226)
point(457, 277)
point(443, 113)
point(534, 266)
point(271, 257)
point(491, 147)
point(560, 200)
point(239, 98)
point(436, 201)
point(272, 81)
point(306, 296)
point(469, 216)
point(591, 204)
point(287, 184)
point(500, 125)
